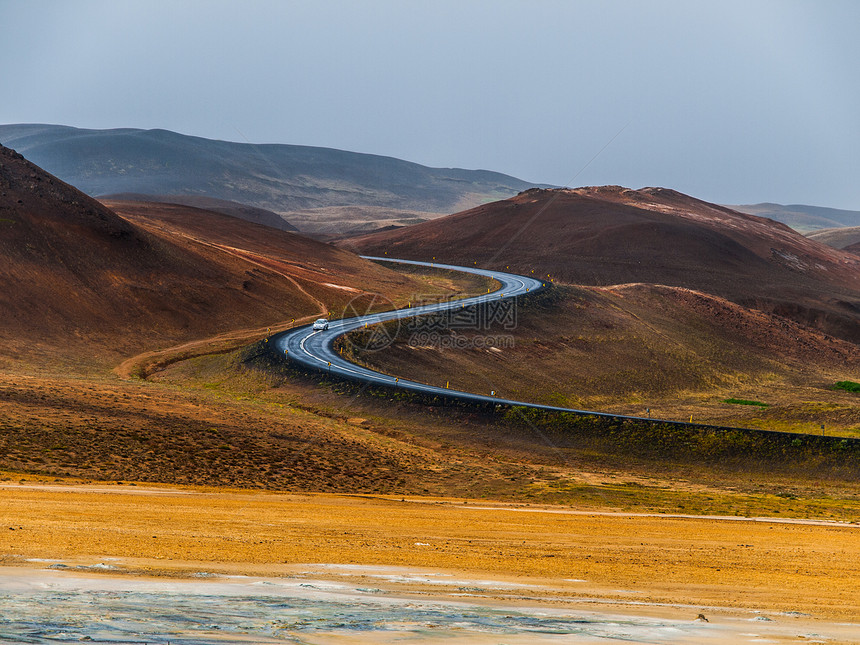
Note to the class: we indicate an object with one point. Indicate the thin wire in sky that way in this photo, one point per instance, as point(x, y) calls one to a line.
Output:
point(555, 196)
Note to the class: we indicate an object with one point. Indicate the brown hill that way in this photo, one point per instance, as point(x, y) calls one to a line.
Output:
point(324, 272)
point(79, 280)
point(612, 235)
point(802, 217)
point(845, 238)
point(224, 206)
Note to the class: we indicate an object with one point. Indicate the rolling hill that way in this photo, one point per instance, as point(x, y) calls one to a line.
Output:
point(603, 236)
point(664, 305)
point(80, 281)
point(279, 178)
point(801, 217)
point(846, 238)
point(223, 206)
point(86, 285)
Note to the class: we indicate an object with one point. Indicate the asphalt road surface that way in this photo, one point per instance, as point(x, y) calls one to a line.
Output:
point(314, 349)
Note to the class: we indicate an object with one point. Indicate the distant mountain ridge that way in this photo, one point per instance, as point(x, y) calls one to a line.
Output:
point(802, 217)
point(275, 177)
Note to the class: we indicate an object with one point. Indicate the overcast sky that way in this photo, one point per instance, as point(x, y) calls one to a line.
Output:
point(733, 102)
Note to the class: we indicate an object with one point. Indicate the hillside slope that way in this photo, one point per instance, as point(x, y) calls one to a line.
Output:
point(224, 206)
point(802, 217)
point(280, 178)
point(847, 238)
point(612, 235)
point(81, 281)
point(633, 348)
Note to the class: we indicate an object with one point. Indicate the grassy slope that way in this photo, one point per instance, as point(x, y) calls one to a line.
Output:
point(246, 427)
point(341, 221)
point(802, 217)
point(627, 349)
point(839, 238)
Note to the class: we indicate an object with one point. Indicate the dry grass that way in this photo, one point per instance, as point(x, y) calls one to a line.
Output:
point(640, 350)
point(211, 421)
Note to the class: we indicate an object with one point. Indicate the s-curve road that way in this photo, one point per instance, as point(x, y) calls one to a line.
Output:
point(314, 349)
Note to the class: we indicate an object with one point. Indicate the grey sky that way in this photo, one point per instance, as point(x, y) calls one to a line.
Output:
point(733, 102)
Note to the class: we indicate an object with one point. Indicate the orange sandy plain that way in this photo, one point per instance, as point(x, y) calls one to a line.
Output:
point(653, 564)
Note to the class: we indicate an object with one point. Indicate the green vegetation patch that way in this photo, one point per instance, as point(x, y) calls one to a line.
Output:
point(746, 402)
point(848, 386)
point(736, 449)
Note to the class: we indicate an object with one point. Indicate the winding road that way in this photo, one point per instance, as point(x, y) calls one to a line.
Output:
point(314, 349)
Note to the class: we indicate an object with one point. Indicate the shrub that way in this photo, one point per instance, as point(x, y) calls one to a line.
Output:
point(746, 402)
point(848, 386)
